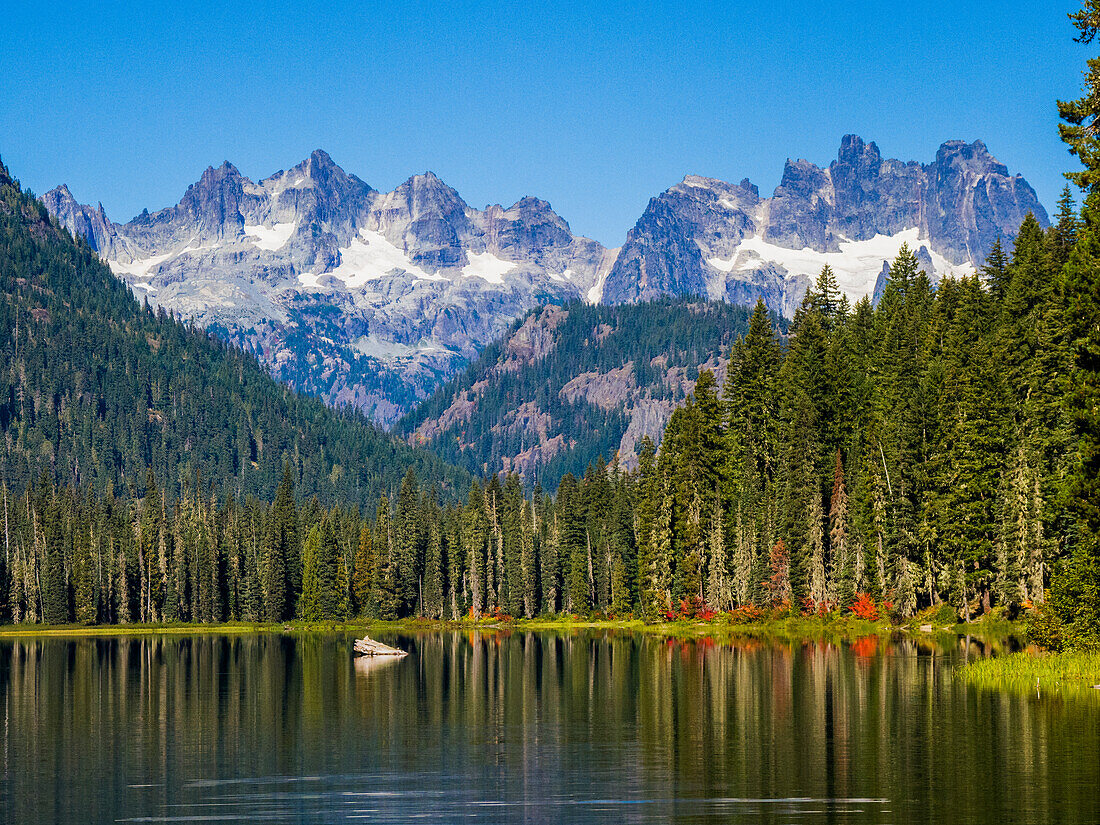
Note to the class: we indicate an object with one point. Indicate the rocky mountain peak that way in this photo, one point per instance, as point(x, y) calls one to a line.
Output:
point(854, 152)
point(974, 157)
point(704, 236)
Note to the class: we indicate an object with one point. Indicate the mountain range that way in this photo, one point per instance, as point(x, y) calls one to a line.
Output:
point(372, 299)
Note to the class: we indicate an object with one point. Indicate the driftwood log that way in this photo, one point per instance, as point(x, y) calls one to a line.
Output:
point(368, 647)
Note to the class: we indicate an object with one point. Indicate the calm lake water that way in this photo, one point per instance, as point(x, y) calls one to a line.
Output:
point(529, 727)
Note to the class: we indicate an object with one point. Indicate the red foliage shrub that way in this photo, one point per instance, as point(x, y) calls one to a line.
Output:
point(865, 608)
point(746, 614)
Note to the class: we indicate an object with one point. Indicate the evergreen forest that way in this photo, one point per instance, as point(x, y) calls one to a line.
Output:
point(940, 448)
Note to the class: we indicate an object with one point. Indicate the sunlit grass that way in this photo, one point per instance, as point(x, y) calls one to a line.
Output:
point(1059, 673)
point(722, 625)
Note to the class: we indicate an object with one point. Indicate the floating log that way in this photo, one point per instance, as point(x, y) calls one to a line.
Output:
point(369, 647)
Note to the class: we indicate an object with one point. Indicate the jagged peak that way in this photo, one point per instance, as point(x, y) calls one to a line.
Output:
point(321, 158)
point(853, 148)
point(529, 204)
point(975, 155)
point(62, 191)
point(692, 183)
point(426, 180)
point(701, 182)
point(429, 187)
point(212, 177)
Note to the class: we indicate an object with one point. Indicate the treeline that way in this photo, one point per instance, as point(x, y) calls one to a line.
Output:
point(917, 451)
point(96, 389)
point(70, 556)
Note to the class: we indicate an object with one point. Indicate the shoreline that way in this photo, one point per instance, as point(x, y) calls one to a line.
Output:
point(787, 628)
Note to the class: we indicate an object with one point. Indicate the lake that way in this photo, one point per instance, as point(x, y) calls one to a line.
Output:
point(530, 727)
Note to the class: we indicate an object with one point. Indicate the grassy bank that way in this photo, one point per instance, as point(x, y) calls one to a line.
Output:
point(793, 627)
point(1027, 671)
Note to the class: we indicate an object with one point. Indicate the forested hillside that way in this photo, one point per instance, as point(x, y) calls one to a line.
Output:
point(568, 384)
point(887, 459)
point(95, 390)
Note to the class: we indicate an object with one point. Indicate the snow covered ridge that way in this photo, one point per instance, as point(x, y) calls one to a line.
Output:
point(341, 288)
point(708, 237)
point(857, 265)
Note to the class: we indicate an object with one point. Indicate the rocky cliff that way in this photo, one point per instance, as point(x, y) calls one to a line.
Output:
point(707, 237)
point(367, 298)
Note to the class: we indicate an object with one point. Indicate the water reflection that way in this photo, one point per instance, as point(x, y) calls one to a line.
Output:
point(524, 727)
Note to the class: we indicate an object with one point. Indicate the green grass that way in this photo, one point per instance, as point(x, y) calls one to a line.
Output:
point(1054, 673)
point(792, 627)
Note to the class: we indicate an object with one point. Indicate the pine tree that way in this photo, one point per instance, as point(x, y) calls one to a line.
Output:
point(55, 595)
point(1064, 232)
point(386, 588)
point(407, 544)
point(281, 545)
point(840, 550)
point(719, 593)
point(995, 272)
point(434, 565)
point(365, 574)
point(529, 563)
point(310, 607)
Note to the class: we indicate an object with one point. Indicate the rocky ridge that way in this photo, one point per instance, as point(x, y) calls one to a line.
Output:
point(708, 237)
point(373, 299)
point(367, 298)
point(567, 384)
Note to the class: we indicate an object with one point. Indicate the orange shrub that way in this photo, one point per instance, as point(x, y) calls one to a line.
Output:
point(864, 607)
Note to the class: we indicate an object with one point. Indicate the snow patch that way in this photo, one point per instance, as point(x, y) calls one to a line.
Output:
point(371, 256)
point(561, 277)
point(857, 264)
point(385, 350)
point(271, 238)
point(595, 292)
point(487, 266)
point(139, 268)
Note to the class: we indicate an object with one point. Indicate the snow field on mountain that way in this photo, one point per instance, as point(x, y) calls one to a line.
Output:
point(271, 238)
point(857, 264)
point(487, 266)
point(371, 256)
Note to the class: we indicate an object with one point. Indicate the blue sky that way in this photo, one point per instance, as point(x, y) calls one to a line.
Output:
point(595, 108)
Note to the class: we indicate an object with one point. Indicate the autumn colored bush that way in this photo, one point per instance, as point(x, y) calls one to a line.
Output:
point(695, 609)
point(812, 608)
point(746, 614)
point(864, 607)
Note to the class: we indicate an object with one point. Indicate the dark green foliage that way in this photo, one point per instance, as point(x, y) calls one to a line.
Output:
point(1076, 590)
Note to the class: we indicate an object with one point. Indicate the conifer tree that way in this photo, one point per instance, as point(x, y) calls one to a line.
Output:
point(529, 563)
point(55, 589)
point(365, 574)
point(719, 593)
point(840, 550)
point(280, 547)
point(434, 564)
point(310, 604)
